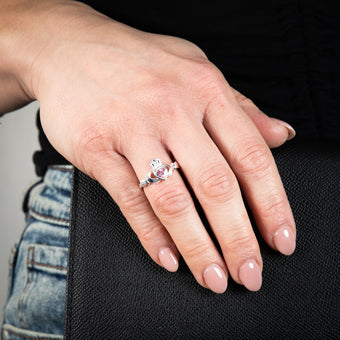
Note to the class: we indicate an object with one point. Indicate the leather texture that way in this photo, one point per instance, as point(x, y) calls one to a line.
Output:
point(116, 291)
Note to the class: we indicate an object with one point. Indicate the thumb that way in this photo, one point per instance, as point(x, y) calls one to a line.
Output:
point(274, 131)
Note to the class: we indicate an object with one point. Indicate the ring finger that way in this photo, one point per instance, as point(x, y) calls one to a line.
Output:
point(174, 206)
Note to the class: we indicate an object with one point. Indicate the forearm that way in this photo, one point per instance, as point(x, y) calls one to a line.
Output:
point(12, 95)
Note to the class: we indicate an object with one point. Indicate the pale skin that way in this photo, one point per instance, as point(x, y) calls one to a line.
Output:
point(112, 98)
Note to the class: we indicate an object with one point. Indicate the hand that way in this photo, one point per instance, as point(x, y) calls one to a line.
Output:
point(112, 98)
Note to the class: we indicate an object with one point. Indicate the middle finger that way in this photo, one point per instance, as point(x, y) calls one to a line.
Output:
point(216, 187)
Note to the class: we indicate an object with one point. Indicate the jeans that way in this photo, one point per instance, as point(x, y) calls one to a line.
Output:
point(35, 307)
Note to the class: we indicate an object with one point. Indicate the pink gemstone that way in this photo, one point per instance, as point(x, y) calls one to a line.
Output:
point(161, 173)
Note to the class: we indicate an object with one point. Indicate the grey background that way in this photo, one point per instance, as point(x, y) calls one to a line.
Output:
point(18, 141)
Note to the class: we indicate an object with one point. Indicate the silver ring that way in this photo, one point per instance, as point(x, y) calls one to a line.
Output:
point(160, 172)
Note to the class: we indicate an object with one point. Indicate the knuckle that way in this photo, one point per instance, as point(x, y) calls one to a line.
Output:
point(91, 147)
point(217, 183)
point(172, 202)
point(240, 241)
point(253, 158)
point(147, 233)
point(207, 77)
point(130, 200)
point(246, 102)
point(195, 250)
point(92, 140)
point(242, 99)
point(274, 206)
point(206, 69)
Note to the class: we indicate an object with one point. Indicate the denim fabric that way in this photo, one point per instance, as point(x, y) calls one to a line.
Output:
point(38, 264)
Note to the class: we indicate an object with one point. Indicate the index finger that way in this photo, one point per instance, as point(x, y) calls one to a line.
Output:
point(254, 166)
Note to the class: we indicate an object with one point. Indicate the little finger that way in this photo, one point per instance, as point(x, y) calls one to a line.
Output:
point(116, 175)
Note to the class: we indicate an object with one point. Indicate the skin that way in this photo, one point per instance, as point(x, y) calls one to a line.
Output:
point(112, 98)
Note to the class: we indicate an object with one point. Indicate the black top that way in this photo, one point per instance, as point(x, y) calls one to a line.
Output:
point(284, 55)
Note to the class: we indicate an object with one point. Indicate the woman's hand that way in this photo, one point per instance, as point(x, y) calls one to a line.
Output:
point(112, 98)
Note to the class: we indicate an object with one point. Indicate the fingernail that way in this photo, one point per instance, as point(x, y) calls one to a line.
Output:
point(215, 278)
point(284, 240)
point(291, 131)
point(168, 259)
point(250, 275)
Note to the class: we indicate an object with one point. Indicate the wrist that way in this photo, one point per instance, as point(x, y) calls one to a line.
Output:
point(27, 29)
point(21, 40)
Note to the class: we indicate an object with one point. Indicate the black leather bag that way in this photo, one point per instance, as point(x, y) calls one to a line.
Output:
point(115, 290)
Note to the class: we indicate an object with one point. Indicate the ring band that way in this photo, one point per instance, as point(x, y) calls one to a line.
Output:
point(160, 172)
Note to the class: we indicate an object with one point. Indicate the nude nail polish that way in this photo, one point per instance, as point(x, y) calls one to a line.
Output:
point(291, 131)
point(250, 275)
point(168, 259)
point(215, 278)
point(284, 240)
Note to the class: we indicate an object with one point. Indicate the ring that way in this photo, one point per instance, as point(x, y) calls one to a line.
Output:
point(160, 172)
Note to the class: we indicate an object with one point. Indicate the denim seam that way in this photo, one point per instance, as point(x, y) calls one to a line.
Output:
point(29, 280)
point(46, 265)
point(35, 214)
point(26, 336)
